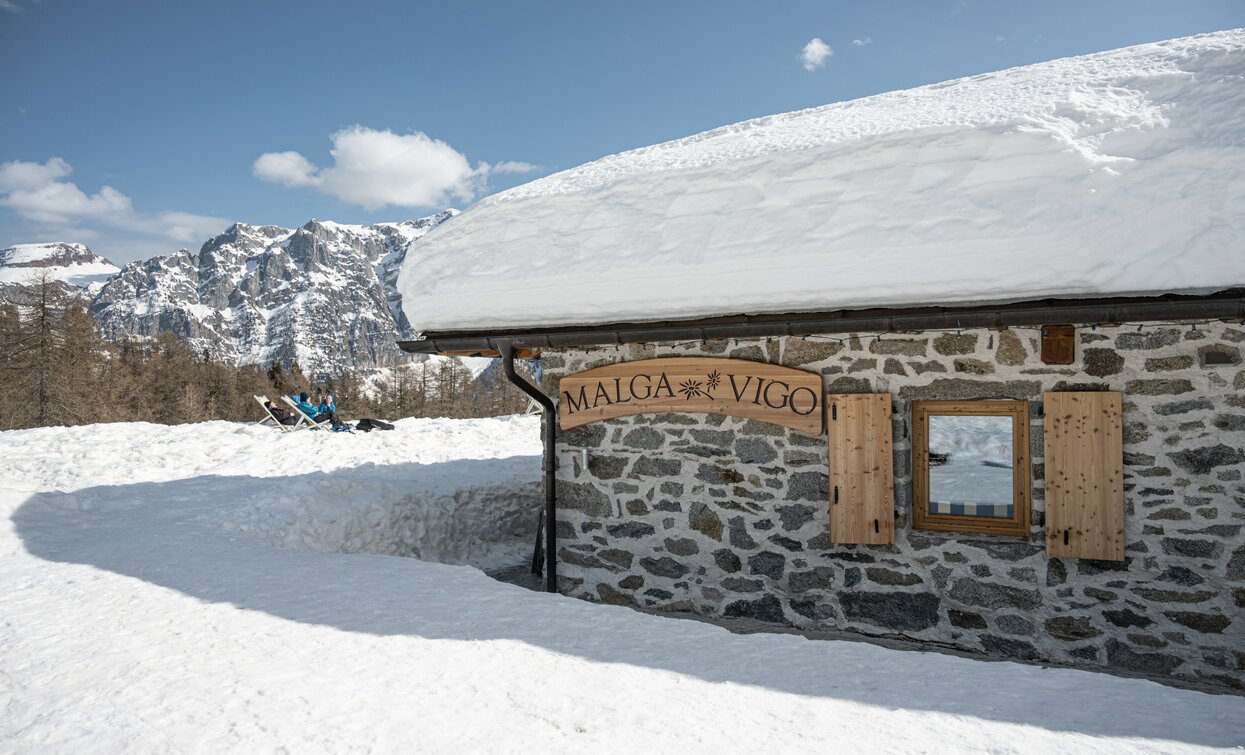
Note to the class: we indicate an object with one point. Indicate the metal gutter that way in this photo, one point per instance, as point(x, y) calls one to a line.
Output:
point(550, 412)
point(1225, 305)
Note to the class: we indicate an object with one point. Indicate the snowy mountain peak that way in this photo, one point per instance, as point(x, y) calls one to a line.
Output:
point(73, 264)
point(322, 295)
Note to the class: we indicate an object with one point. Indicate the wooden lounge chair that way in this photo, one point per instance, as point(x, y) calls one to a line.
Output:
point(302, 417)
point(303, 421)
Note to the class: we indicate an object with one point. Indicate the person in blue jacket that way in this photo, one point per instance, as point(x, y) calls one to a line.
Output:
point(318, 413)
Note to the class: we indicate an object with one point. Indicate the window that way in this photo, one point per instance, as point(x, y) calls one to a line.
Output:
point(970, 466)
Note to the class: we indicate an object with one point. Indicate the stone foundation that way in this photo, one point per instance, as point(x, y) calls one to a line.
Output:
point(722, 516)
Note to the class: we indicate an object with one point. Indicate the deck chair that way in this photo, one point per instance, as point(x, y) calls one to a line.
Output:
point(268, 418)
point(303, 418)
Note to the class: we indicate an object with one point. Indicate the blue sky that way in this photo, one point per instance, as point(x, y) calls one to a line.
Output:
point(139, 127)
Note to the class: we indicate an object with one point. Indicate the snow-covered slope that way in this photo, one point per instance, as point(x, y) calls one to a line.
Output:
point(73, 264)
point(216, 588)
point(323, 295)
point(1112, 173)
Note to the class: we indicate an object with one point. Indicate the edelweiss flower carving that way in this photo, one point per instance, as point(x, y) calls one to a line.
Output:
point(714, 379)
point(691, 389)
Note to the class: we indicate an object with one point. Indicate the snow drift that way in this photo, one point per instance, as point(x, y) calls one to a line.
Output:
point(1115, 173)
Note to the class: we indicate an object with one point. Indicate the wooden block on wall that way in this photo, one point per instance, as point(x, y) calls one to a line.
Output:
point(1084, 475)
point(1058, 344)
point(862, 495)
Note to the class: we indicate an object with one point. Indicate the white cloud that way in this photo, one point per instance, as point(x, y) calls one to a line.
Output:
point(36, 192)
point(862, 42)
point(999, 38)
point(286, 168)
point(815, 54)
point(375, 169)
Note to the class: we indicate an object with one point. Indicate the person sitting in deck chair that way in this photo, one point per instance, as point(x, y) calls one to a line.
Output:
point(283, 416)
point(315, 412)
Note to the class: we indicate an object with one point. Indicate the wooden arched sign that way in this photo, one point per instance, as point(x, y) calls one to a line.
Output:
point(740, 388)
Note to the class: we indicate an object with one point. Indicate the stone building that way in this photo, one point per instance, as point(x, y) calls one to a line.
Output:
point(936, 373)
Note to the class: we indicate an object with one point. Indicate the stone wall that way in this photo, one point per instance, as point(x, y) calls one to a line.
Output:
point(722, 516)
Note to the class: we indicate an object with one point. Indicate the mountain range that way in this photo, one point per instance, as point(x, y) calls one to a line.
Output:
point(322, 295)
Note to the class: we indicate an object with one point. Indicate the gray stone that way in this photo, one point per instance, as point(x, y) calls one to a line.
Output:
point(663, 567)
point(1169, 364)
point(1102, 362)
point(718, 474)
point(863, 365)
point(885, 576)
point(1121, 656)
point(582, 497)
point(755, 451)
point(727, 560)
point(1233, 423)
point(754, 427)
point(952, 343)
point(1205, 459)
point(1236, 565)
point(616, 556)
point(586, 560)
point(658, 593)
point(990, 595)
point(1207, 623)
point(851, 576)
point(630, 530)
point(1154, 339)
point(1156, 387)
point(818, 578)
point(1011, 350)
point(807, 486)
point(613, 597)
point(1071, 628)
point(644, 437)
point(767, 609)
point(1173, 596)
point(1183, 407)
point(1175, 546)
point(646, 466)
point(715, 438)
point(1012, 624)
point(966, 619)
point(973, 366)
point(683, 546)
point(964, 389)
point(908, 347)
point(631, 582)
point(1056, 572)
point(739, 534)
point(893, 366)
point(767, 563)
point(1009, 551)
point(1127, 618)
point(705, 521)
point(811, 609)
point(1008, 648)
point(742, 584)
point(902, 611)
point(637, 507)
point(849, 385)
point(921, 368)
point(1217, 355)
point(794, 516)
point(607, 467)
point(786, 543)
point(798, 351)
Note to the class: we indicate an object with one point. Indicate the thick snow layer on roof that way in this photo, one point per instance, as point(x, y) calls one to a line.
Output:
point(1109, 174)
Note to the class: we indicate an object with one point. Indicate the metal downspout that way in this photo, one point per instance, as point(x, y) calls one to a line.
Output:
point(550, 461)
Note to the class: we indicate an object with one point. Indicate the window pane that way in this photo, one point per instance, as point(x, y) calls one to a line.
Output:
point(970, 466)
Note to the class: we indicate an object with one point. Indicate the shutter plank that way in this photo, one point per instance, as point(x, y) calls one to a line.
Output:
point(861, 468)
point(1084, 475)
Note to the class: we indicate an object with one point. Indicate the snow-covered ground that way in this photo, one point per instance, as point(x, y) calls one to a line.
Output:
point(1115, 173)
point(216, 587)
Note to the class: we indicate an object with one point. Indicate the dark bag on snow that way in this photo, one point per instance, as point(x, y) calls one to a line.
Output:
point(367, 425)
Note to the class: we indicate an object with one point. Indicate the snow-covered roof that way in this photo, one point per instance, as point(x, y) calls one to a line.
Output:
point(1110, 174)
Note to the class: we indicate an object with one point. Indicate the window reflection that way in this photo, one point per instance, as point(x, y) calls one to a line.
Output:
point(970, 466)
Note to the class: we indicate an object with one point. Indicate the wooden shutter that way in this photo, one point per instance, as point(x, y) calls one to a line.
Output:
point(862, 497)
point(1084, 475)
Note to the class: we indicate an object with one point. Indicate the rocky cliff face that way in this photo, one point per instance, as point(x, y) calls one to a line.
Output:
point(323, 295)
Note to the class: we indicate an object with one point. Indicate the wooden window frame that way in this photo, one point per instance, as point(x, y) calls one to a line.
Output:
point(1018, 525)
